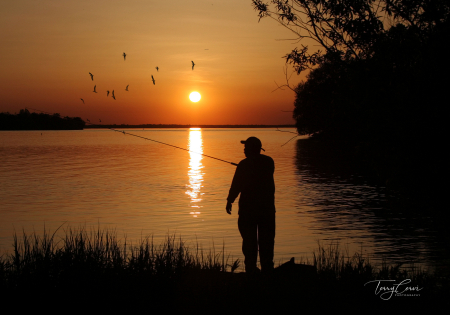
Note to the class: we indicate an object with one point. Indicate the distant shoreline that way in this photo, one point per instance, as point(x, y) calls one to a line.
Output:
point(185, 126)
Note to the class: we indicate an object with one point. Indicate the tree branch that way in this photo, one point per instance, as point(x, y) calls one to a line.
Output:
point(287, 81)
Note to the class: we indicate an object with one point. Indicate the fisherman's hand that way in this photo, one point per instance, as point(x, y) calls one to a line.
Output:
point(229, 205)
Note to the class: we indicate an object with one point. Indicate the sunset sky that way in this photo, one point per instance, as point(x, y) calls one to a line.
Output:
point(50, 46)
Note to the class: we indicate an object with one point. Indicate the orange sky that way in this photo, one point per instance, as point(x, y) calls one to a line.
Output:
point(49, 47)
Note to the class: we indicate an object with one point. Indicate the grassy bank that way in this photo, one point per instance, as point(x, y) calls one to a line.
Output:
point(96, 268)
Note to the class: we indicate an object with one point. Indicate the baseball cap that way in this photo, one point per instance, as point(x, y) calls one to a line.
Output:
point(253, 142)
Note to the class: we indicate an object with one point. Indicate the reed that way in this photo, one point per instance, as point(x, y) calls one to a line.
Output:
point(96, 264)
point(335, 262)
point(102, 249)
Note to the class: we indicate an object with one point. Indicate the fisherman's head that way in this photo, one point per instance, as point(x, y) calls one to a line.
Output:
point(252, 146)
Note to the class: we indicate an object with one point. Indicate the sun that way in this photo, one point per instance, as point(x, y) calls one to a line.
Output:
point(195, 97)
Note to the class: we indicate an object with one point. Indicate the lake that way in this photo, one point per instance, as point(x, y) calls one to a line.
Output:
point(142, 188)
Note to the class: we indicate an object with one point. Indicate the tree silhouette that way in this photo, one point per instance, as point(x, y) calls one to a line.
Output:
point(348, 29)
point(376, 85)
point(25, 120)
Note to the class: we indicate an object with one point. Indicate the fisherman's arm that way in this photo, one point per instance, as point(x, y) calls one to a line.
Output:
point(235, 189)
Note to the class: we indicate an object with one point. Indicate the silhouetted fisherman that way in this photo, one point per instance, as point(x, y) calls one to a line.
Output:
point(253, 179)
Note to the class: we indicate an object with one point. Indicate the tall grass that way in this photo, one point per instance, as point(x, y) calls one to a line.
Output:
point(334, 262)
point(99, 262)
point(102, 249)
point(96, 264)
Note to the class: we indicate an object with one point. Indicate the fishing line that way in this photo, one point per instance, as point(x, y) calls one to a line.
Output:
point(145, 138)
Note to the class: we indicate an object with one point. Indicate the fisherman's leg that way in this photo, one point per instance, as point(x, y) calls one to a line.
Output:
point(266, 239)
point(248, 229)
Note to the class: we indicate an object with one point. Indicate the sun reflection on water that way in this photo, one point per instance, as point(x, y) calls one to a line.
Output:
point(195, 173)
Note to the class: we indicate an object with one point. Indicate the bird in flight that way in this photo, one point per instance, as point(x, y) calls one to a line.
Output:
point(153, 80)
point(94, 89)
point(113, 95)
point(124, 56)
point(157, 69)
point(82, 100)
point(126, 89)
point(92, 76)
point(193, 64)
point(107, 93)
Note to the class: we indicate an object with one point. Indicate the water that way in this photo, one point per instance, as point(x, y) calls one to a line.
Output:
point(141, 188)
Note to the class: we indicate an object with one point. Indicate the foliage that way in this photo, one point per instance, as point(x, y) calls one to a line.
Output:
point(377, 86)
point(348, 29)
point(25, 120)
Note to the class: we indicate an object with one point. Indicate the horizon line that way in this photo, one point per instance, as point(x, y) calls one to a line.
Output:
point(189, 126)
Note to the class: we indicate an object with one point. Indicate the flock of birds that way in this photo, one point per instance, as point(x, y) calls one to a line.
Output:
point(126, 89)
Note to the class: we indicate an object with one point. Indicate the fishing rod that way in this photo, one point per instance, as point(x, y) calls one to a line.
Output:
point(145, 138)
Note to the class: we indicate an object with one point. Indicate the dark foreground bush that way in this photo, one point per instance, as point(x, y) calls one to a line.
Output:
point(95, 270)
